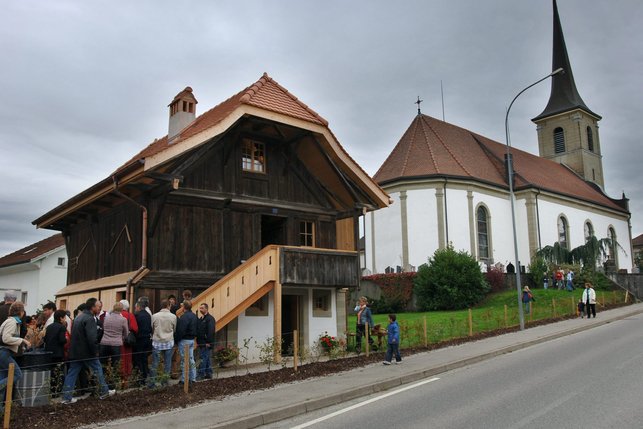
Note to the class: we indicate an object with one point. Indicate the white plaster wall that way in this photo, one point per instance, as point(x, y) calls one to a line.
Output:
point(259, 328)
point(458, 219)
point(422, 222)
point(388, 236)
point(550, 211)
point(318, 325)
point(41, 280)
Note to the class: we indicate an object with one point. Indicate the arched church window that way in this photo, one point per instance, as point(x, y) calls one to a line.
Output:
point(589, 231)
point(563, 233)
point(559, 140)
point(611, 235)
point(483, 232)
point(590, 139)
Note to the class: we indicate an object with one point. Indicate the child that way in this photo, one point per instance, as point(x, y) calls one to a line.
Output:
point(393, 331)
point(581, 308)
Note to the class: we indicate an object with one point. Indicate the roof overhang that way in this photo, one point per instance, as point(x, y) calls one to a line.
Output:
point(119, 280)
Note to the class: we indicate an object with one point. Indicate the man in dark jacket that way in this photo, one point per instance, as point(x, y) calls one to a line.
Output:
point(143, 345)
point(83, 352)
point(186, 332)
point(55, 340)
point(205, 340)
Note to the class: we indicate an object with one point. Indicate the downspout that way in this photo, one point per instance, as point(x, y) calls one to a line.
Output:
point(446, 212)
point(538, 219)
point(143, 266)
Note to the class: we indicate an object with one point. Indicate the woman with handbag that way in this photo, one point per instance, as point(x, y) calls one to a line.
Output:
point(364, 317)
point(115, 331)
point(128, 344)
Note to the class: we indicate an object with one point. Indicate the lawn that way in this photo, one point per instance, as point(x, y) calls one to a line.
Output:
point(486, 316)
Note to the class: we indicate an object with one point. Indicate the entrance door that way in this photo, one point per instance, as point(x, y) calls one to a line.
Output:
point(290, 308)
point(273, 230)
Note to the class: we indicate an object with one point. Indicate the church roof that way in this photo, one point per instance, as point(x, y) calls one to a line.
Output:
point(434, 148)
point(564, 96)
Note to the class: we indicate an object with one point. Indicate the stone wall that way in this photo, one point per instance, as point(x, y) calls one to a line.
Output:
point(630, 282)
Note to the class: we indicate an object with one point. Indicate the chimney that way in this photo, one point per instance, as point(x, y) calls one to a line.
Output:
point(182, 112)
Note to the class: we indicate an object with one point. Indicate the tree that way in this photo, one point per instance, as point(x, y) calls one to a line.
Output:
point(451, 280)
point(587, 256)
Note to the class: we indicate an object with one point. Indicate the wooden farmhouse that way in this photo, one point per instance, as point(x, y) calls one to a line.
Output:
point(254, 206)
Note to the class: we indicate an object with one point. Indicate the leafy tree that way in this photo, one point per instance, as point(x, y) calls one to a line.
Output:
point(451, 280)
point(587, 255)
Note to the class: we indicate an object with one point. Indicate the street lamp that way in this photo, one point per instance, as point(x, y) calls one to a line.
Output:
point(512, 196)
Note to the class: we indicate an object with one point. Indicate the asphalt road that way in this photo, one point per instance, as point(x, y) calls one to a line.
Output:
point(593, 379)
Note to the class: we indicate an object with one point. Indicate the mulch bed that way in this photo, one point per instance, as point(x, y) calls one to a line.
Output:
point(140, 402)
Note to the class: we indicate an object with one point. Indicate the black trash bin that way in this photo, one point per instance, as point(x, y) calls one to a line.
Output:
point(34, 388)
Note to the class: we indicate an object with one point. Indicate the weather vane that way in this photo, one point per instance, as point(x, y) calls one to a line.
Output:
point(418, 102)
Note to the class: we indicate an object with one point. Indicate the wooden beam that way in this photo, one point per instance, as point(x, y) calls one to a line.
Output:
point(229, 317)
point(157, 216)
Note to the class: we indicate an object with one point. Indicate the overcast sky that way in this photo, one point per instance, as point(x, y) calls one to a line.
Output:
point(85, 85)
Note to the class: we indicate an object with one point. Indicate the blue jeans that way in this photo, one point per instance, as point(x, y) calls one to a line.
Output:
point(393, 349)
point(74, 370)
point(525, 306)
point(205, 367)
point(6, 358)
point(167, 365)
point(192, 374)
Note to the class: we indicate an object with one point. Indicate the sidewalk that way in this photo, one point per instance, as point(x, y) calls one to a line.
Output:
point(258, 408)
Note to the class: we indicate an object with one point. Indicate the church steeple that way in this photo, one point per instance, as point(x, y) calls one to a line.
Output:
point(564, 96)
point(567, 128)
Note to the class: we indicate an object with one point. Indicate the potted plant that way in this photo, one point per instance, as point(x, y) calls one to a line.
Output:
point(224, 355)
point(328, 343)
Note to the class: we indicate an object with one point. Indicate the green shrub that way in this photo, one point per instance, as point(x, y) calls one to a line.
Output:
point(450, 281)
point(538, 269)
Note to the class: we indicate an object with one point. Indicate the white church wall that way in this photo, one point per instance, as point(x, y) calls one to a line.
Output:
point(422, 221)
point(576, 217)
point(388, 236)
point(457, 219)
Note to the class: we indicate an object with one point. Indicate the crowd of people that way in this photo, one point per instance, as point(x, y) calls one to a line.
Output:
point(96, 351)
point(560, 279)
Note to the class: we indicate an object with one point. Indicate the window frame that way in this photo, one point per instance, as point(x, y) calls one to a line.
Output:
point(588, 226)
point(259, 308)
point(326, 295)
point(590, 138)
point(559, 140)
point(562, 220)
point(482, 208)
point(253, 150)
point(306, 233)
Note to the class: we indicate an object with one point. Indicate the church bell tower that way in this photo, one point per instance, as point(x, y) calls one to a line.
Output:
point(567, 128)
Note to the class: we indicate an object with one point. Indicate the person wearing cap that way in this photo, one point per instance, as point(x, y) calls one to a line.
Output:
point(527, 297)
point(126, 349)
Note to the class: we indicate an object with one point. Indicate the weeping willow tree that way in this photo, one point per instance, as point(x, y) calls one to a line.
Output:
point(589, 255)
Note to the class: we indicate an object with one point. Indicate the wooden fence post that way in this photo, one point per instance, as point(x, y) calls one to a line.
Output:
point(295, 349)
point(186, 368)
point(426, 340)
point(553, 306)
point(574, 308)
point(532, 309)
point(613, 297)
point(367, 329)
point(603, 298)
point(627, 295)
point(470, 323)
point(8, 398)
point(506, 319)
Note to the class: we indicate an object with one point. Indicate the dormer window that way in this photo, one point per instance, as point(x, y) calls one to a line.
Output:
point(253, 156)
point(559, 140)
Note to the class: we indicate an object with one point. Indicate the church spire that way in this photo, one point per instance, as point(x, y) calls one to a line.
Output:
point(564, 95)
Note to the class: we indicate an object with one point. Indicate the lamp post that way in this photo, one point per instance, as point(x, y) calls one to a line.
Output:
point(512, 196)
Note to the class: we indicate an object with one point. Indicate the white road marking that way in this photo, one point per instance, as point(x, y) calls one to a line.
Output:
point(361, 404)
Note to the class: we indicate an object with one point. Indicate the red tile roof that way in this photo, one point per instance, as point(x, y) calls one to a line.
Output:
point(638, 241)
point(26, 254)
point(431, 147)
point(265, 93)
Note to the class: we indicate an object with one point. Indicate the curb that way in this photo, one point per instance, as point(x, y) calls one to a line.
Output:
point(290, 411)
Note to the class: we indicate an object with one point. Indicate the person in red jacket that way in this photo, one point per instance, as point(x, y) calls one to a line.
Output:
point(126, 349)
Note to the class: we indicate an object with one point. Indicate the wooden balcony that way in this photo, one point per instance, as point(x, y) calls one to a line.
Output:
point(272, 267)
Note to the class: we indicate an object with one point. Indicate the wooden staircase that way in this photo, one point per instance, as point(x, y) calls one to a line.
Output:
point(242, 287)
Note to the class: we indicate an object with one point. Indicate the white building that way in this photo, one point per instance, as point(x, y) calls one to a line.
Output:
point(36, 272)
point(450, 186)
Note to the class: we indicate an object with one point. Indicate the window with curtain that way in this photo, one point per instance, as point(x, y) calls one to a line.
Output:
point(483, 233)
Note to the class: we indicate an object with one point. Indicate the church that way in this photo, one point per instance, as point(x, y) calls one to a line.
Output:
point(449, 187)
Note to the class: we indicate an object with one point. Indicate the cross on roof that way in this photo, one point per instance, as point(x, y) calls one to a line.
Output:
point(418, 102)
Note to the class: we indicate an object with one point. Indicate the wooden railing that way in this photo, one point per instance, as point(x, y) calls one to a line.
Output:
point(243, 286)
point(268, 269)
